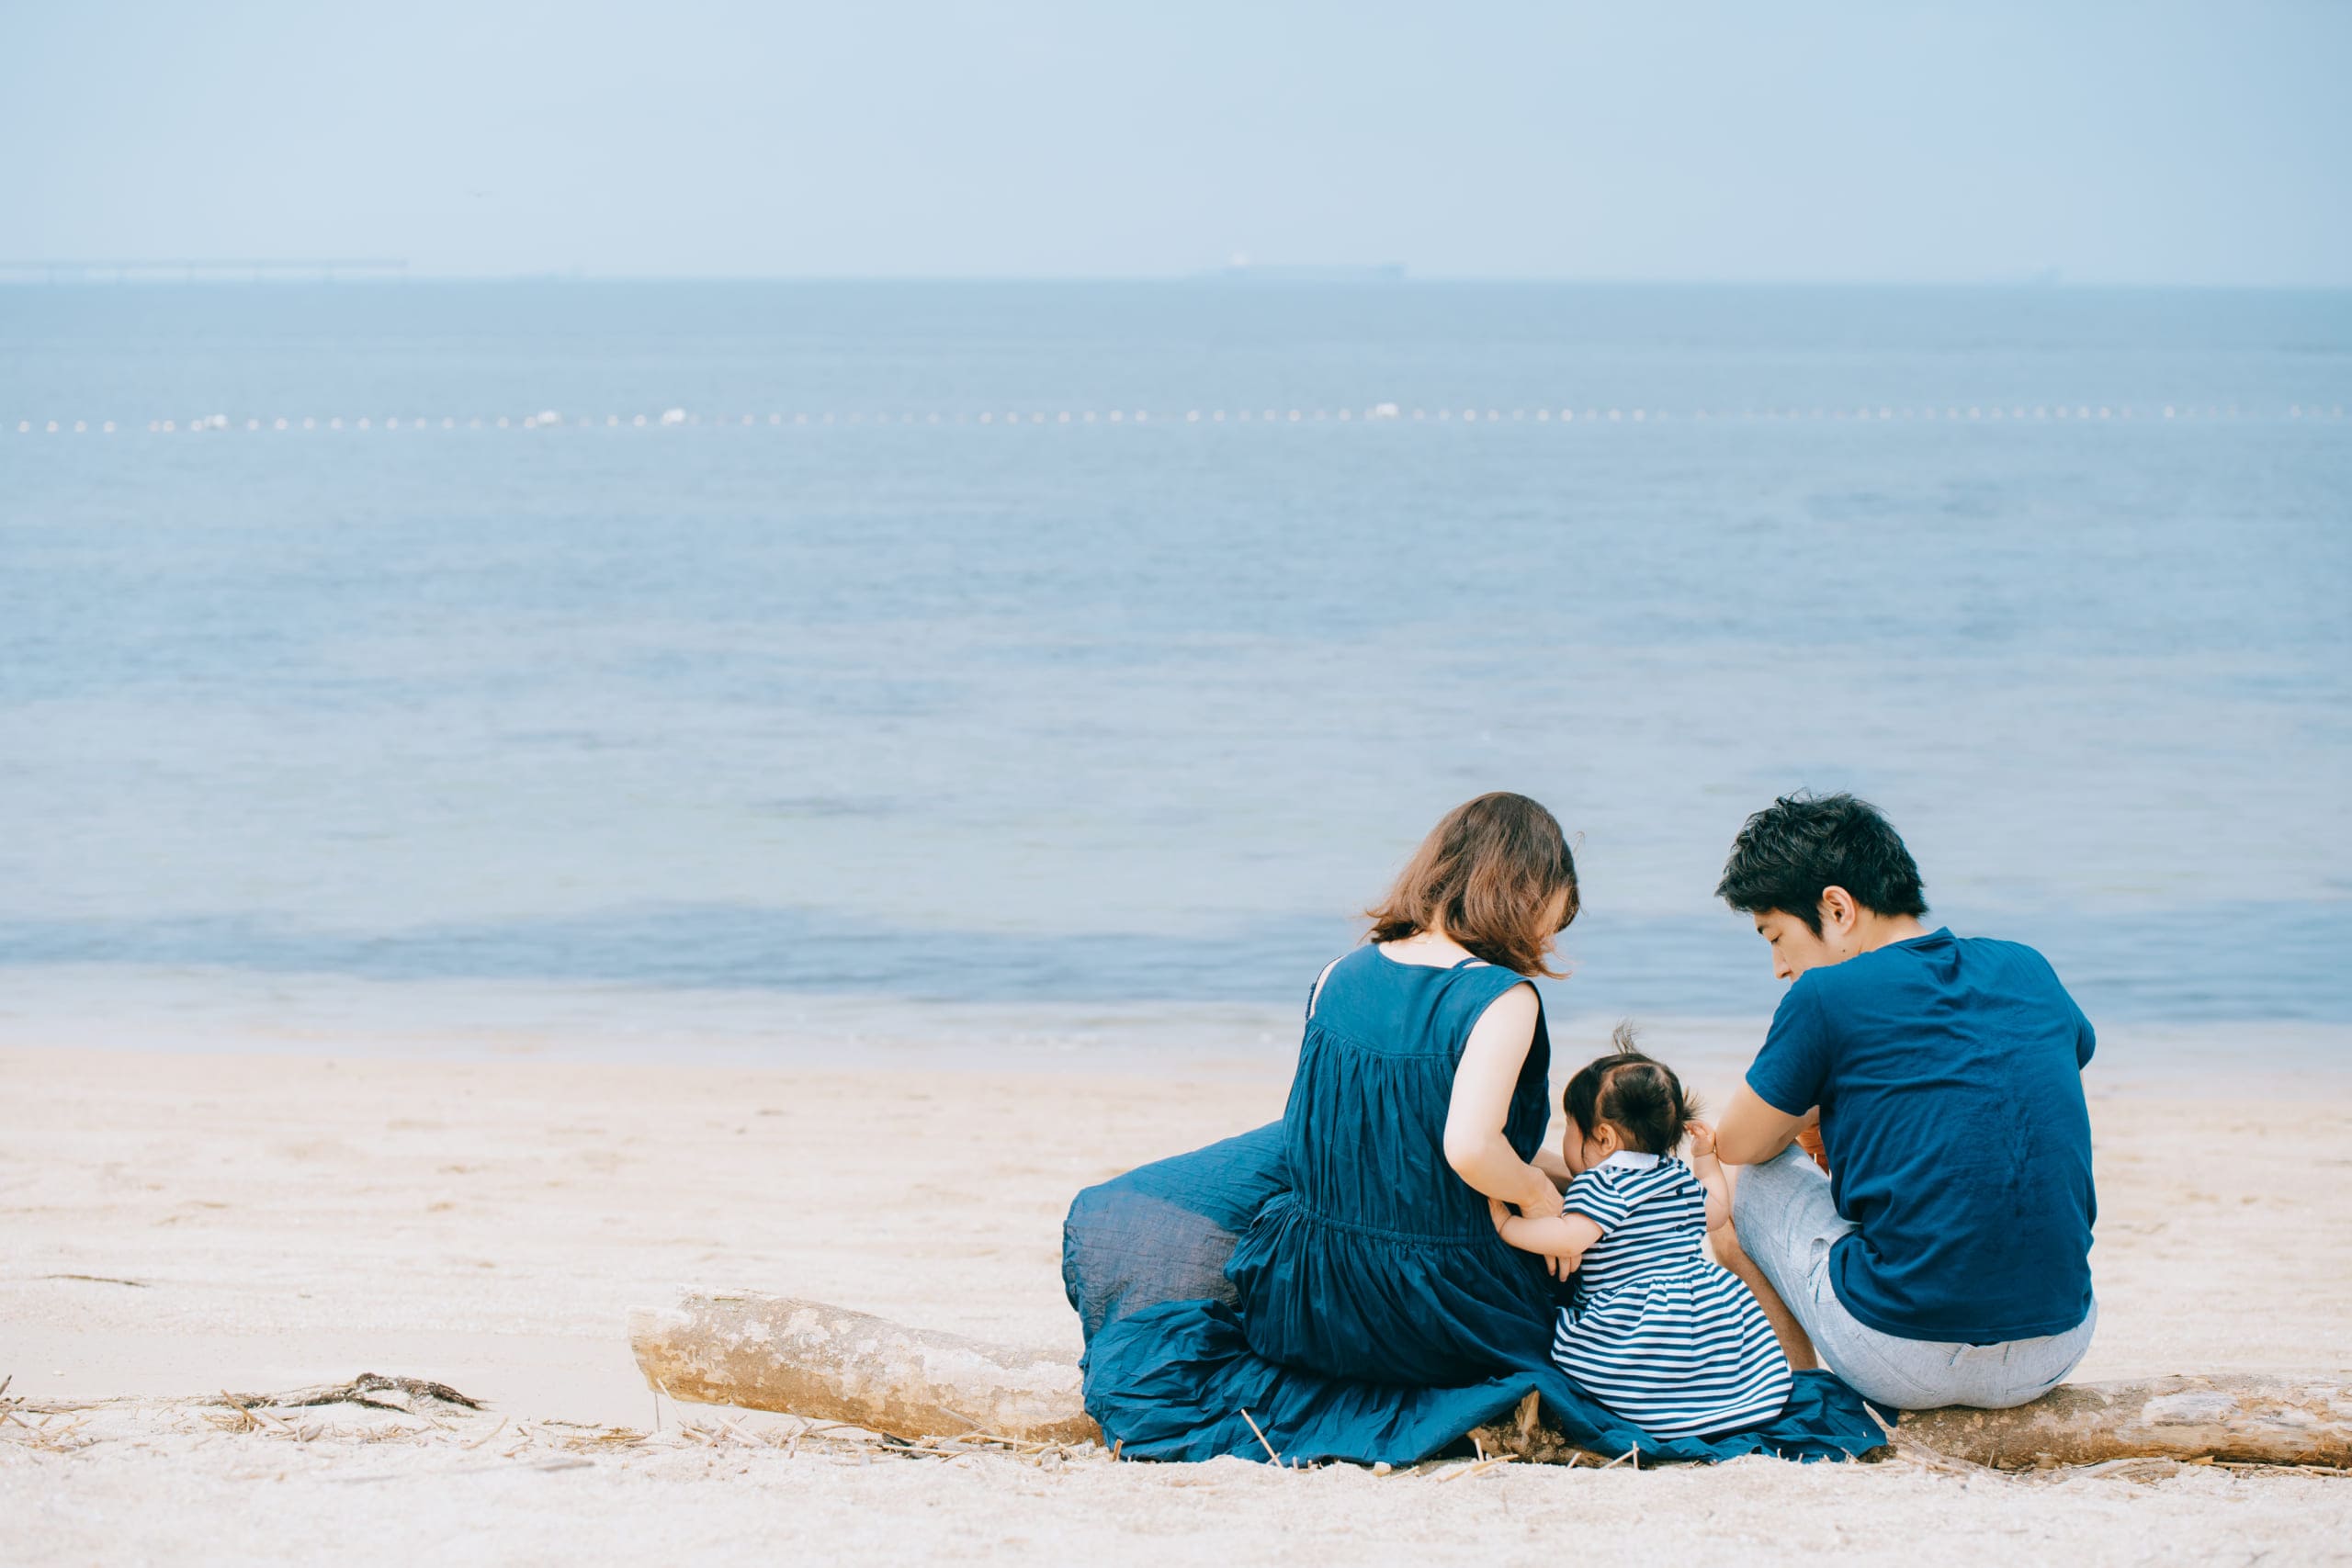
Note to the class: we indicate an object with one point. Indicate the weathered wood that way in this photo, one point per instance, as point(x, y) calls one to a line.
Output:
point(411, 1396)
point(778, 1353)
point(2245, 1419)
point(371, 1389)
point(2251, 1419)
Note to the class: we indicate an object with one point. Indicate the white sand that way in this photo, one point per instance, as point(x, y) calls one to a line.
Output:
point(293, 1221)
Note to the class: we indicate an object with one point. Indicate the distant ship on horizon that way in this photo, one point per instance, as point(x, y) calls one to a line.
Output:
point(1241, 269)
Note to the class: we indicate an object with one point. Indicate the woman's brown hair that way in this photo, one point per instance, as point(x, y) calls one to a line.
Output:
point(1487, 875)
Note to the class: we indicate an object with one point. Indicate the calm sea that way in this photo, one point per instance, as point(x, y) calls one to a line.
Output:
point(1062, 644)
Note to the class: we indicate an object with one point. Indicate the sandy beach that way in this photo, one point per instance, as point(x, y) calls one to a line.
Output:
point(174, 1224)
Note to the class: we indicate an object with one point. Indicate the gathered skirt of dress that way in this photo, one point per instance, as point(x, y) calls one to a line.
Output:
point(1148, 1260)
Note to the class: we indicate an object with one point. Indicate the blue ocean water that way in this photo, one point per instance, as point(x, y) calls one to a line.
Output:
point(870, 672)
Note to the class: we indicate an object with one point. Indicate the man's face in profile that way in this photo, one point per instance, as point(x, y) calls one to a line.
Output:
point(1796, 947)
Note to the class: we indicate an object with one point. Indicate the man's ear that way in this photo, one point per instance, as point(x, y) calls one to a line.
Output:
point(1839, 909)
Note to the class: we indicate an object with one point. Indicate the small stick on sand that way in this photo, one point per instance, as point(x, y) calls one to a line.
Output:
point(486, 1437)
point(1262, 1439)
point(1480, 1468)
point(1025, 1444)
point(2128, 1469)
point(2259, 1467)
point(254, 1420)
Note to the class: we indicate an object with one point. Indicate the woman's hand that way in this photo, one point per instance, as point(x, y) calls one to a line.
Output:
point(1541, 1199)
point(1505, 1221)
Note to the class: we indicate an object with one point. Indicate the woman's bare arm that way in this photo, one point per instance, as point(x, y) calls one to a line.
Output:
point(1483, 1084)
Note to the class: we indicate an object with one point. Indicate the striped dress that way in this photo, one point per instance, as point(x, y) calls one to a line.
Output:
point(1657, 1330)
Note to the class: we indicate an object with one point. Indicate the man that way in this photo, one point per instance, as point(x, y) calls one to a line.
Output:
point(1943, 1259)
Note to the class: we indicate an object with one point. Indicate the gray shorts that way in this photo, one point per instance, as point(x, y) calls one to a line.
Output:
point(1787, 1224)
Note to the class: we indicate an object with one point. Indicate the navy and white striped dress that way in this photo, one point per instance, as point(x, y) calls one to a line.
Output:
point(1658, 1330)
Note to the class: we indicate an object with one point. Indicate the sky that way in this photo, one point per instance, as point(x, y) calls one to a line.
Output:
point(2150, 142)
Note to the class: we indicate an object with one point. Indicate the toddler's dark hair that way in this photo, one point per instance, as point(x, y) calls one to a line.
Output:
point(1634, 1093)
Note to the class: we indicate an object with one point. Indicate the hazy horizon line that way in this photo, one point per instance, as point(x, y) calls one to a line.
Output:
point(199, 273)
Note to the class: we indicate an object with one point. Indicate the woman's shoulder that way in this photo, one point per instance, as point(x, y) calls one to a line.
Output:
point(1467, 988)
point(1473, 988)
point(1367, 994)
point(1355, 960)
point(1339, 983)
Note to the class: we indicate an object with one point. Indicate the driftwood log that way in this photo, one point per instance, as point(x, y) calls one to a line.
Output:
point(775, 1353)
point(768, 1352)
point(2243, 1419)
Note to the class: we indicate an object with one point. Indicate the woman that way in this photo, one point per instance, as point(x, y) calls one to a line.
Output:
point(1421, 1093)
point(1332, 1287)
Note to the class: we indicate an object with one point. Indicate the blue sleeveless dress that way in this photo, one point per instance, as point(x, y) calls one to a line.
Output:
point(1376, 1243)
point(1329, 1282)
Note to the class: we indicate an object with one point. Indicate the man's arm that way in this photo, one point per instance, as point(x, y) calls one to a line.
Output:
point(1792, 1066)
point(1754, 1130)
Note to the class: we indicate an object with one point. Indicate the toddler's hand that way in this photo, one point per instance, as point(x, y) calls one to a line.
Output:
point(1499, 1212)
point(1703, 1138)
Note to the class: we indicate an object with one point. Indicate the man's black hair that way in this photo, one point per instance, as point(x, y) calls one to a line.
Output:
point(1788, 854)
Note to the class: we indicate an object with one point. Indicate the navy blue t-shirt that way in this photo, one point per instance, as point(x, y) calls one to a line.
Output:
point(1949, 1073)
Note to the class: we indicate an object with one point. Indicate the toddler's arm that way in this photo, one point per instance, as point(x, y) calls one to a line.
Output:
point(1559, 1238)
point(1709, 1172)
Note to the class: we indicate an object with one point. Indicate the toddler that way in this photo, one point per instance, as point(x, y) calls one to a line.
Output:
point(1655, 1329)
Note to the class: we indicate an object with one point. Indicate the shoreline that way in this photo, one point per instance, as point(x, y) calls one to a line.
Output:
point(125, 1009)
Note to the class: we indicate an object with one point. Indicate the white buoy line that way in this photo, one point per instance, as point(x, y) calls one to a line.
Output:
point(551, 419)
